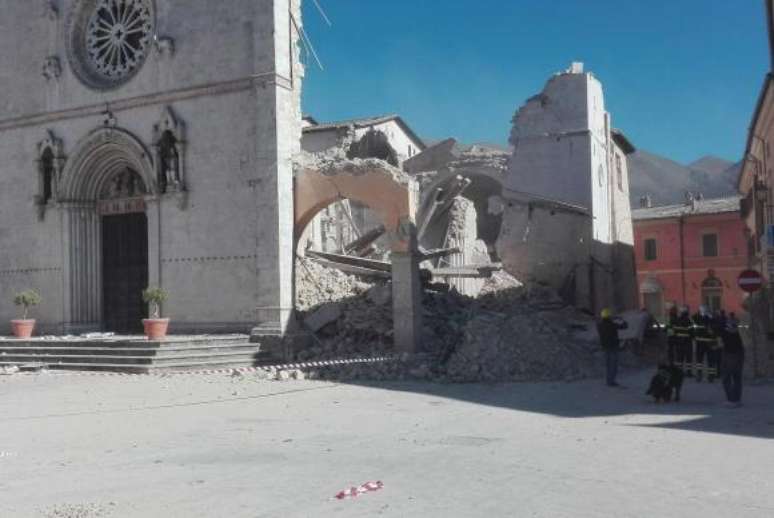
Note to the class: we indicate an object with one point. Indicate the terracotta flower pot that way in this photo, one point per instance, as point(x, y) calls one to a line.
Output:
point(22, 328)
point(155, 328)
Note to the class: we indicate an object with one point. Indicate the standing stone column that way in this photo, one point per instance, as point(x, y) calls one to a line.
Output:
point(406, 301)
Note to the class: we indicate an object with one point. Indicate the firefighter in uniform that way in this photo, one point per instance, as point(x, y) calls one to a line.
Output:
point(683, 333)
point(706, 341)
point(671, 338)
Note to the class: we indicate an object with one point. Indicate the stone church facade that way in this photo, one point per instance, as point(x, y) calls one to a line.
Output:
point(149, 142)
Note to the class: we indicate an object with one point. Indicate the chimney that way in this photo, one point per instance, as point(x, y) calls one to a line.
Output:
point(646, 202)
point(691, 199)
point(576, 67)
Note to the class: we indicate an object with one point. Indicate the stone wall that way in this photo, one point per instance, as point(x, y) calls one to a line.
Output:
point(564, 215)
point(223, 246)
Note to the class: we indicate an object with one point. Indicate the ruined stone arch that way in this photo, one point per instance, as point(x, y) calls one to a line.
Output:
point(103, 154)
point(391, 194)
point(384, 189)
point(485, 192)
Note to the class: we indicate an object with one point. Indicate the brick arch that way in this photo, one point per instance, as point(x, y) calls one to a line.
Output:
point(384, 189)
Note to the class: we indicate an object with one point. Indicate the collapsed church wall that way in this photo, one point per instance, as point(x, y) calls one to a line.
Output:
point(215, 193)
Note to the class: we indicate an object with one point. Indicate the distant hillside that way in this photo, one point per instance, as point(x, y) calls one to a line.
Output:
point(667, 181)
point(711, 164)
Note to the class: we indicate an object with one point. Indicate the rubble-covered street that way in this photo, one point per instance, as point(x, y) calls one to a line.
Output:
point(236, 446)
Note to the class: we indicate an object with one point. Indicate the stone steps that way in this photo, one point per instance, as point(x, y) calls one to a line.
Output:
point(136, 355)
point(248, 358)
point(166, 352)
point(126, 341)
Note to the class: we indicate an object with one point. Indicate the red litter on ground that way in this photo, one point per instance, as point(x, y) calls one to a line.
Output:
point(353, 492)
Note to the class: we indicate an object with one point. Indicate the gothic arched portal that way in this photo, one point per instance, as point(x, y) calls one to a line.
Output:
point(109, 238)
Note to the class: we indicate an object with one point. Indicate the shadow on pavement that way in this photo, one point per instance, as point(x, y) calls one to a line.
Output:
point(701, 408)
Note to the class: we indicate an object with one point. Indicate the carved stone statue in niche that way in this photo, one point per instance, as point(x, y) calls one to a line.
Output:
point(124, 184)
point(169, 162)
point(169, 151)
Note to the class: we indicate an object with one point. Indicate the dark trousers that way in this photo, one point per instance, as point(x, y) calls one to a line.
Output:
point(684, 353)
point(611, 357)
point(701, 352)
point(672, 350)
point(713, 362)
point(732, 376)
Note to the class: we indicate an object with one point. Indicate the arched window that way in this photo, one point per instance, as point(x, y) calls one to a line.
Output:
point(49, 163)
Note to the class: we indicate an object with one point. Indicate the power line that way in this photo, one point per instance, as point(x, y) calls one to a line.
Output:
point(307, 42)
point(322, 13)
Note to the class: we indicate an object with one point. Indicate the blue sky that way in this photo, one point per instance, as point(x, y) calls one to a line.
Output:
point(681, 77)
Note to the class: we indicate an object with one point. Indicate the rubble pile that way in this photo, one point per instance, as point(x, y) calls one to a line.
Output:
point(316, 285)
point(361, 322)
point(506, 333)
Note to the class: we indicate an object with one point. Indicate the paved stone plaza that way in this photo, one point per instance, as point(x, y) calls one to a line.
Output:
point(188, 446)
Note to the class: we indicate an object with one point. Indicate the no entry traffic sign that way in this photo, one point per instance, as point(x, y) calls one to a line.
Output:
point(750, 281)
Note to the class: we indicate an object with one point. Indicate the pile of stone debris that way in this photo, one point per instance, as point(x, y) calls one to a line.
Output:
point(506, 333)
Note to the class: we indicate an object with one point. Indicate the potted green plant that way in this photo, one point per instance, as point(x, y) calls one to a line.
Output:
point(155, 326)
point(23, 327)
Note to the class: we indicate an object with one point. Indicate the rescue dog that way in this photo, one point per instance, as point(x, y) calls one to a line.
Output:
point(666, 384)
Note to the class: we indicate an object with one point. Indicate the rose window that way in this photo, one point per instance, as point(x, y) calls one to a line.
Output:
point(110, 39)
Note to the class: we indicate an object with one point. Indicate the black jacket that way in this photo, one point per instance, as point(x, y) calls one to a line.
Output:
point(732, 343)
point(704, 328)
point(683, 327)
point(608, 333)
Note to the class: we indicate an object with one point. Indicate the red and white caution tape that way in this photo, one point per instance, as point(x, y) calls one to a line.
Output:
point(353, 492)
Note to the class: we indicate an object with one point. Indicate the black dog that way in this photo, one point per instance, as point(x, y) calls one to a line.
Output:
point(666, 383)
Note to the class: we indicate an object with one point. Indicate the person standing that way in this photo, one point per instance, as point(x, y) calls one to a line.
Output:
point(608, 328)
point(715, 355)
point(733, 363)
point(683, 329)
point(671, 338)
point(706, 342)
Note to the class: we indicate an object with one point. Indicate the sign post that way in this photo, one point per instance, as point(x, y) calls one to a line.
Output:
point(752, 281)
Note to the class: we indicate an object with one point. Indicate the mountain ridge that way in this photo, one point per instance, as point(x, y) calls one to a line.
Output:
point(667, 181)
